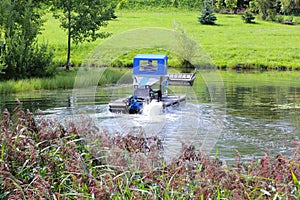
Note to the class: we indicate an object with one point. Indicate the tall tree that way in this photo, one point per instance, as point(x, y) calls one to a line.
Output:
point(83, 20)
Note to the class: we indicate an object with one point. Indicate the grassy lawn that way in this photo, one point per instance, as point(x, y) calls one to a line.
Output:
point(229, 43)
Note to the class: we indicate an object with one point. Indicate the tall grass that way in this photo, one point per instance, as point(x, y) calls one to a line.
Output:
point(63, 80)
point(230, 43)
point(60, 81)
point(44, 159)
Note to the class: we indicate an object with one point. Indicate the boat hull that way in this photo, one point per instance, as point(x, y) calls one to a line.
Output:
point(121, 105)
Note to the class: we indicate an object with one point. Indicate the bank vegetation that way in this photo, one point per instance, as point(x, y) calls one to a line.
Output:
point(46, 159)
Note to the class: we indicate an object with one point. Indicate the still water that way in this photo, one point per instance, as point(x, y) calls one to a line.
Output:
point(260, 114)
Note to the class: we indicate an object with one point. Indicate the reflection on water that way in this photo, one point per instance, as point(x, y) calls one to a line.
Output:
point(258, 116)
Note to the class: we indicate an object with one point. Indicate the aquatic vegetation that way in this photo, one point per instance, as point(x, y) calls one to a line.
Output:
point(45, 159)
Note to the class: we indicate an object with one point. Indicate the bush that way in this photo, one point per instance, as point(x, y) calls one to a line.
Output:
point(248, 17)
point(25, 61)
point(287, 20)
point(41, 62)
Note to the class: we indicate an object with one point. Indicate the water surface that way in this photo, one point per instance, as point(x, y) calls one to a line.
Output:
point(261, 114)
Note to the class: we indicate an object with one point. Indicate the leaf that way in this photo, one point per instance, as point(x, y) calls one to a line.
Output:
point(3, 195)
point(2, 149)
point(296, 182)
point(217, 153)
point(265, 192)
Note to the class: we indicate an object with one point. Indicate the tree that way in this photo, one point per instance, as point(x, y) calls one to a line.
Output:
point(206, 15)
point(21, 22)
point(231, 4)
point(83, 19)
point(268, 9)
point(220, 4)
point(290, 6)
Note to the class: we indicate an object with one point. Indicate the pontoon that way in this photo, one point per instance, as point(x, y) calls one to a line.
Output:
point(150, 85)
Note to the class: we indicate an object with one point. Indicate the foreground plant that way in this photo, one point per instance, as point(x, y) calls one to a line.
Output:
point(44, 159)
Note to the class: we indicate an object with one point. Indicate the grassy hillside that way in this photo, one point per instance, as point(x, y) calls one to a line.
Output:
point(229, 43)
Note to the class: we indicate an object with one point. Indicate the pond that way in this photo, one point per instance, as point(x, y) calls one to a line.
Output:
point(261, 114)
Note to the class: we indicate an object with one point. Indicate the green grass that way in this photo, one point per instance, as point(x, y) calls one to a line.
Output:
point(274, 78)
point(63, 80)
point(230, 42)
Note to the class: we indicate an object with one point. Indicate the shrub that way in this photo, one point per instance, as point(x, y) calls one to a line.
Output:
point(23, 61)
point(279, 18)
point(248, 17)
point(288, 20)
point(41, 62)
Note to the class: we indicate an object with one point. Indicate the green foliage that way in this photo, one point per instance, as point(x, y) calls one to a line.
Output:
point(263, 8)
point(142, 4)
point(268, 9)
point(206, 15)
point(231, 4)
point(290, 7)
point(190, 4)
point(248, 17)
point(272, 10)
point(220, 4)
point(62, 80)
point(83, 20)
point(40, 64)
point(25, 61)
point(21, 56)
point(86, 18)
point(253, 7)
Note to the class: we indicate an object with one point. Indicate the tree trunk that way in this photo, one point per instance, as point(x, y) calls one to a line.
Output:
point(68, 63)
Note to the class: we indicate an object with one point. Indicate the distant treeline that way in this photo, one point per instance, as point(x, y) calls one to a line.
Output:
point(288, 7)
point(128, 4)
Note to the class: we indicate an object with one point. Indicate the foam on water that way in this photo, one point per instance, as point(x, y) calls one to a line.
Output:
point(153, 109)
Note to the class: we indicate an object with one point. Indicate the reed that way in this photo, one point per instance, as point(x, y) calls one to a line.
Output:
point(63, 80)
point(43, 158)
point(26, 85)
